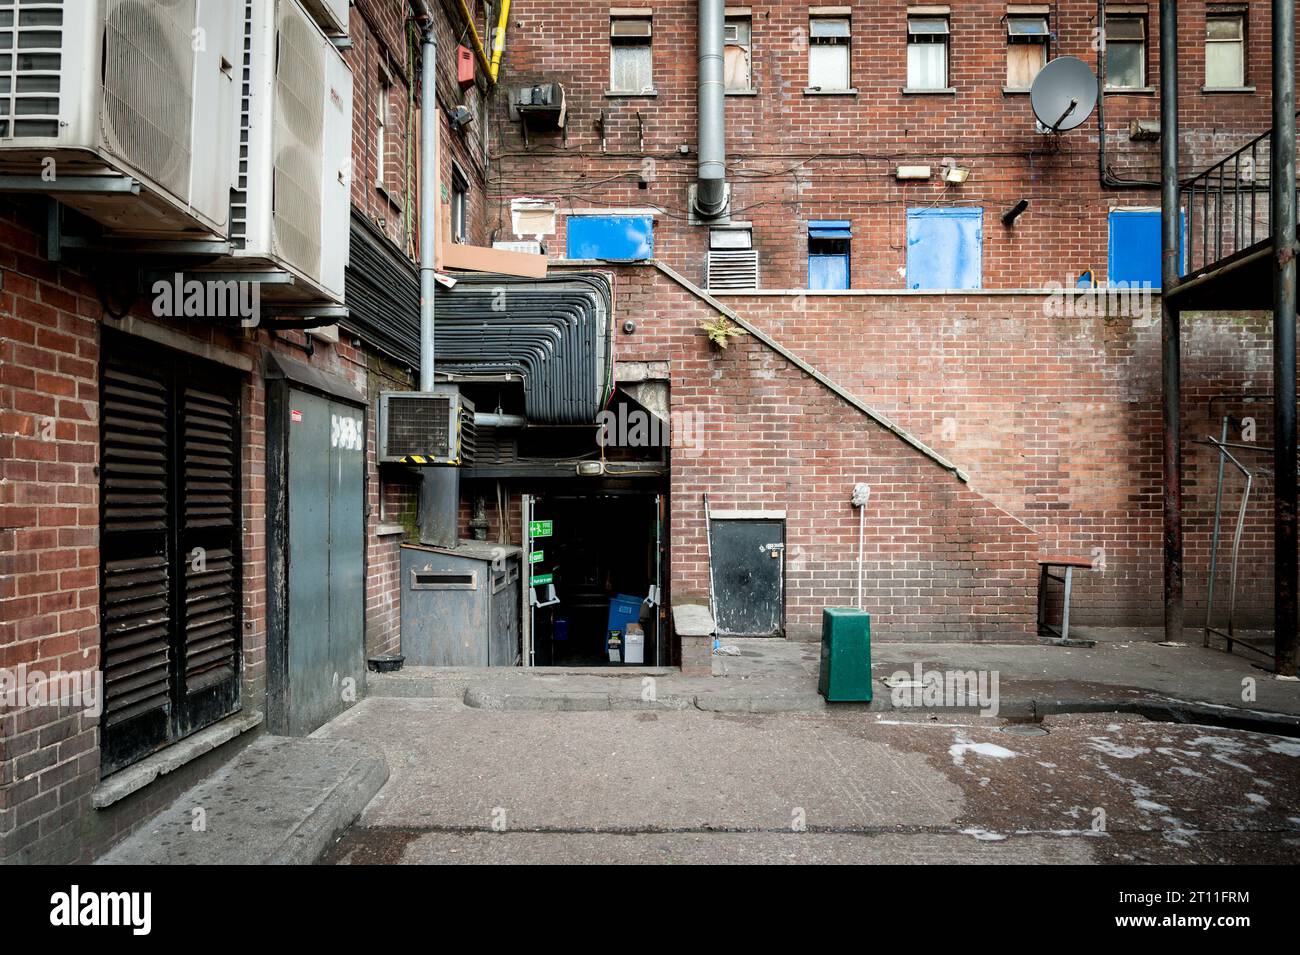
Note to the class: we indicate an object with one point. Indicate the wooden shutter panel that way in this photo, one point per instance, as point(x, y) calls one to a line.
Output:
point(210, 522)
point(136, 582)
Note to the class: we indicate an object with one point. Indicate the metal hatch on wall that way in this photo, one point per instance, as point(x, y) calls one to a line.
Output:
point(316, 560)
point(746, 561)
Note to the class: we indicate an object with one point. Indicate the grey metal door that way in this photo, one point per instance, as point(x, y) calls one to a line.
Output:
point(326, 559)
point(748, 576)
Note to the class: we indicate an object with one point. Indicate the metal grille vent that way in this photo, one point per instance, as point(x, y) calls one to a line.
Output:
point(149, 87)
point(468, 434)
point(31, 40)
point(733, 268)
point(299, 122)
point(419, 426)
point(239, 195)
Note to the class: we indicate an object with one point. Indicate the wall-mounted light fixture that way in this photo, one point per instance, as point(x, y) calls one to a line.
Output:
point(912, 172)
point(953, 174)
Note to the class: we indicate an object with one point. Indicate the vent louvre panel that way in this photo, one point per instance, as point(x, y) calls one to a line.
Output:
point(210, 520)
point(208, 443)
point(149, 87)
point(733, 268)
point(136, 647)
point(31, 41)
point(134, 452)
point(239, 195)
point(171, 573)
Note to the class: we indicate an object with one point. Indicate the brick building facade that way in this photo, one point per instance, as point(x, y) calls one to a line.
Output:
point(989, 422)
point(57, 319)
point(1046, 397)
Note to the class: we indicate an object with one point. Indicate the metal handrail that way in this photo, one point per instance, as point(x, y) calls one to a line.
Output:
point(1227, 207)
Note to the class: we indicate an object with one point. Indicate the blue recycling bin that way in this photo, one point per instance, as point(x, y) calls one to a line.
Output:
point(622, 611)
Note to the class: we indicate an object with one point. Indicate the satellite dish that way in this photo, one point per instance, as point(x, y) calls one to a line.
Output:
point(1064, 94)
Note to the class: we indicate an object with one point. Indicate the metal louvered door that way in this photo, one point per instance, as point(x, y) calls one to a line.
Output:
point(169, 543)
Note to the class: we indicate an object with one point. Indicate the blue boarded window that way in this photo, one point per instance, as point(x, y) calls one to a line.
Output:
point(611, 237)
point(828, 253)
point(945, 248)
point(1134, 248)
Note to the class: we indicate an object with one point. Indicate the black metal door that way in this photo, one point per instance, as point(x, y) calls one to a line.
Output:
point(170, 561)
point(748, 577)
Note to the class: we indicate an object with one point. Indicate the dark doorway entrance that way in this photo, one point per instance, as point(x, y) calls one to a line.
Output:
point(748, 569)
point(600, 567)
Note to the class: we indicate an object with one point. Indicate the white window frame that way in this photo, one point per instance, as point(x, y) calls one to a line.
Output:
point(828, 39)
point(1142, 45)
point(459, 204)
point(1226, 13)
point(621, 35)
point(747, 21)
point(1017, 37)
point(383, 106)
point(929, 30)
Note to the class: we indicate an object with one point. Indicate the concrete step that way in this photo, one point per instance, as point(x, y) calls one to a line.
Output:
point(281, 801)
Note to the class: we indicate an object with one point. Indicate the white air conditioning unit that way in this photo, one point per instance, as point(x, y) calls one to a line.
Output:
point(143, 89)
point(292, 197)
point(332, 15)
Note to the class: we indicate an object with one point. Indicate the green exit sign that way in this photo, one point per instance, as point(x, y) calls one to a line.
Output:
point(539, 528)
point(535, 557)
point(538, 580)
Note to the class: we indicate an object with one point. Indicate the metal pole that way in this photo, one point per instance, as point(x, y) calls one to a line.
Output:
point(1284, 318)
point(428, 195)
point(440, 486)
point(1170, 359)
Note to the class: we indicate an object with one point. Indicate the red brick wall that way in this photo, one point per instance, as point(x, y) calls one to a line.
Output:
point(49, 518)
point(941, 560)
point(794, 157)
point(1055, 416)
point(381, 37)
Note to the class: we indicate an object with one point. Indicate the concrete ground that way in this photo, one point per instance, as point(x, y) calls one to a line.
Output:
point(1128, 670)
point(752, 766)
point(473, 785)
point(1152, 754)
point(280, 801)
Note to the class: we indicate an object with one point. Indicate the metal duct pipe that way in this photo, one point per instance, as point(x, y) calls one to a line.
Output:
point(440, 487)
point(490, 419)
point(711, 184)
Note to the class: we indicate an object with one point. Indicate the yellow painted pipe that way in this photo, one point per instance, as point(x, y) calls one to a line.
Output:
point(499, 42)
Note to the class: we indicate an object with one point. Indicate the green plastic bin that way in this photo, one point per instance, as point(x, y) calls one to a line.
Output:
point(846, 656)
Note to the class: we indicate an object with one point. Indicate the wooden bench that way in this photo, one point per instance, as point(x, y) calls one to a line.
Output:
point(1050, 633)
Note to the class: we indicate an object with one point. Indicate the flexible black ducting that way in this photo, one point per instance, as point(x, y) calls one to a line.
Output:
point(382, 289)
point(553, 332)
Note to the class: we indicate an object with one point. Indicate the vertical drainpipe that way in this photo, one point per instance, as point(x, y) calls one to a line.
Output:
point(440, 486)
point(1283, 198)
point(711, 181)
point(1170, 356)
